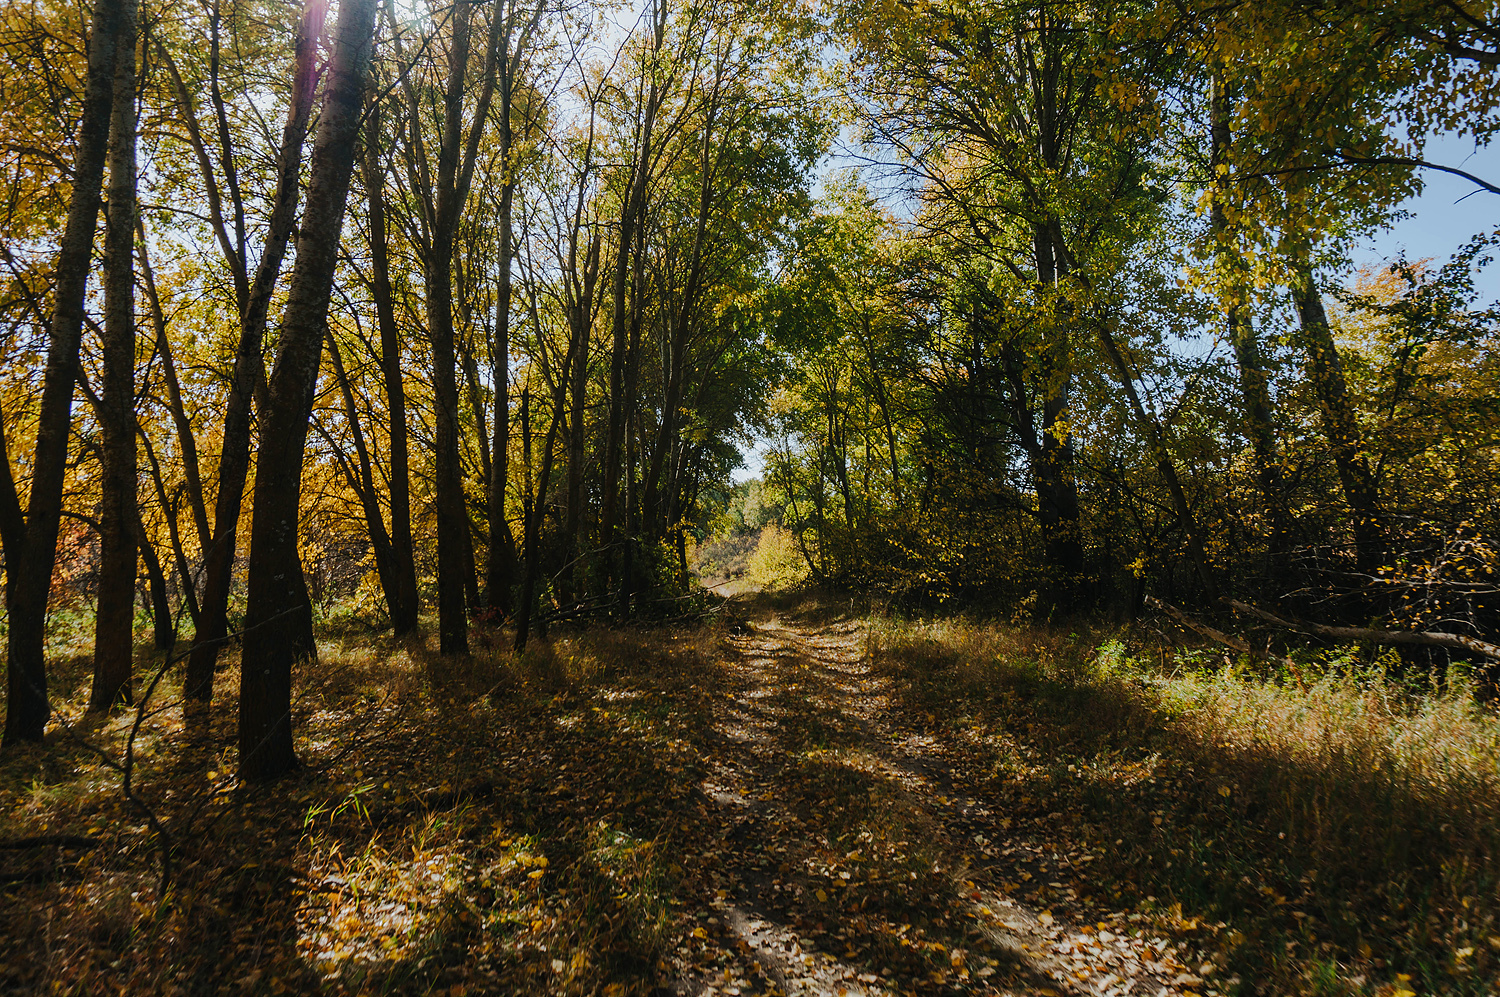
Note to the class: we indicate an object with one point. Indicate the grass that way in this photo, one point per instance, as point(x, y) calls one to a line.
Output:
point(1339, 827)
point(540, 825)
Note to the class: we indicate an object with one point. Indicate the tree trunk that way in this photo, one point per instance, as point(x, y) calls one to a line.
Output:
point(500, 568)
point(513, 47)
point(456, 156)
point(538, 500)
point(249, 372)
point(29, 568)
point(362, 481)
point(1254, 383)
point(1056, 488)
point(1164, 465)
point(1326, 371)
point(163, 633)
point(577, 427)
point(185, 440)
point(277, 611)
point(630, 218)
point(114, 620)
point(404, 608)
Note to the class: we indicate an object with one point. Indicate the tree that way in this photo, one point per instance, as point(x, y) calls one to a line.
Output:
point(278, 613)
point(114, 628)
point(31, 546)
point(248, 377)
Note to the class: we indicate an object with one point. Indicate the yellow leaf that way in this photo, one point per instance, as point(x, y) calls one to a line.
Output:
point(822, 896)
point(538, 874)
point(699, 933)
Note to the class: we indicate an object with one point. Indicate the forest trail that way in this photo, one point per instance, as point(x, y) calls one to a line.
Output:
point(846, 822)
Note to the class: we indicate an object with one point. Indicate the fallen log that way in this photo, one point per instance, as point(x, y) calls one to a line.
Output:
point(1198, 626)
point(1456, 642)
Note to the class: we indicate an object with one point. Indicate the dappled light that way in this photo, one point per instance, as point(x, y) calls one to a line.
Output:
point(705, 498)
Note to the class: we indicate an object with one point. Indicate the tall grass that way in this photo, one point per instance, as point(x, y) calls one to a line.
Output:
point(1344, 824)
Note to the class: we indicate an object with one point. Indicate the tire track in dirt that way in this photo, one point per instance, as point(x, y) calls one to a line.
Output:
point(785, 915)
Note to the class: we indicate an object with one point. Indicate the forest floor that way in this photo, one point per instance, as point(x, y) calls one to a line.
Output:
point(761, 805)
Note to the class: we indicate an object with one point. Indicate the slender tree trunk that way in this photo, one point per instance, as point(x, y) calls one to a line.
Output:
point(1164, 465)
point(362, 481)
point(277, 596)
point(185, 440)
point(174, 535)
point(630, 219)
point(1254, 383)
point(539, 499)
point(500, 568)
point(249, 372)
point(163, 633)
point(577, 428)
point(456, 156)
point(514, 45)
point(114, 621)
point(632, 440)
point(29, 563)
point(1326, 371)
point(404, 608)
point(1056, 488)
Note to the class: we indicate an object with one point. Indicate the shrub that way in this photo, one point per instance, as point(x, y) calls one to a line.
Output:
point(777, 562)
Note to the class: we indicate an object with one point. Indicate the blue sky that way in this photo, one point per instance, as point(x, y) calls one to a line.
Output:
point(1449, 211)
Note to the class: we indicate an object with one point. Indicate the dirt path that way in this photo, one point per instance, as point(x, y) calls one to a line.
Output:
point(854, 861)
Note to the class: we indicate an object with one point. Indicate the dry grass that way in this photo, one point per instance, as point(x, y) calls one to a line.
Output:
point(1342, 826)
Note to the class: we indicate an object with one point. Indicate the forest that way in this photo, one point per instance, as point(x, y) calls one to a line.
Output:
point(706, 497)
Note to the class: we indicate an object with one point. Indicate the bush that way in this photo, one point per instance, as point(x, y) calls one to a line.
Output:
point(777, 562)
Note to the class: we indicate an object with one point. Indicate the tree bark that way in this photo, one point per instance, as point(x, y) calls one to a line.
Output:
point(277, 610)
point(404, 608)
point(456, 156)
point(29, 562)
point(538, 501)
point(1326, 371)
point(1056, 487)
point(501, 565)
point(500, 568)
point(1164, 465)
point(249, 371)
point(114, 620)
point(630, 218)
point(362, 481)
point(1254, 382)
point(163, 633)
point(577, 427)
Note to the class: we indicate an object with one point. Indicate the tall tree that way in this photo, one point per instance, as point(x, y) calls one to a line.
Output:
point(277, 608)
point(30, 554)
point(249, 364)
point(520, 22)
point(114, 621)
point(402, 598)
point(442, 197)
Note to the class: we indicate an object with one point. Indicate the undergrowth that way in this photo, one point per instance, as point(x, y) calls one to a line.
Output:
point(1334, 831)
